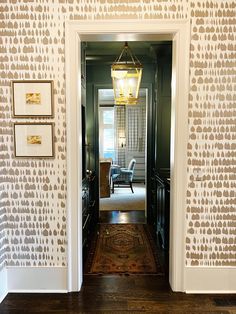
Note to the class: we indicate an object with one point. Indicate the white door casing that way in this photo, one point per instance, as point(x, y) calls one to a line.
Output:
point(128, 30)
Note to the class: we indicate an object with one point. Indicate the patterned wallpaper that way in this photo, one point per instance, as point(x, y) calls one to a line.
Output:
point(211, 202)
point(33, 192)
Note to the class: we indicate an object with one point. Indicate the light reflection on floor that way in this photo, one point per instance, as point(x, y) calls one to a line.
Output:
point(122, 217)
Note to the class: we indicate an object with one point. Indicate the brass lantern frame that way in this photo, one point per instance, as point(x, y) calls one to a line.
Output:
point(126, 73)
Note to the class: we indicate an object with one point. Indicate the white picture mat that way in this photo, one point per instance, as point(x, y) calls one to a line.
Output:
point(20, 105)
point(23, 149)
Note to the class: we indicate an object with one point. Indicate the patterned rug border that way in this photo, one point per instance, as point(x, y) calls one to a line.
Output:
point(92, 251)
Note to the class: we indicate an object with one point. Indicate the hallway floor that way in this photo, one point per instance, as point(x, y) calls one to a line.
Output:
point(120, 294)
point(116, 294)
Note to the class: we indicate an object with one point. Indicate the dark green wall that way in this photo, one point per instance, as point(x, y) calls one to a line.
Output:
point(163, 111)
point(101, 74)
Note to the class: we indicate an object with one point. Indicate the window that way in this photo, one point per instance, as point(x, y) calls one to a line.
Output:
point(107, 132)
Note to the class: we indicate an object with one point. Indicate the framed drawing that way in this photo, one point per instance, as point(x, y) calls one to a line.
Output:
point(32, 99)
point(33, 140)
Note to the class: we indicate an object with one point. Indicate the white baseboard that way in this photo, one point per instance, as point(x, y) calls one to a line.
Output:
point(210, 279)
point(3, 284)
point(54, 280)
point(37, 279)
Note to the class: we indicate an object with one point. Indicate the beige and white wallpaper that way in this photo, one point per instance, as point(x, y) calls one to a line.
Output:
point(33, 192)
point(211, 202)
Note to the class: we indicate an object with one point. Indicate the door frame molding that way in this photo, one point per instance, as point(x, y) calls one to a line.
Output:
point(128, 30)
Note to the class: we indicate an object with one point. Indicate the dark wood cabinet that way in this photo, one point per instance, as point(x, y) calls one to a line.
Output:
point(152, 212)
point(86, 215)
point(105, 178)
point(160, 125)
point(89, 214)
point(89, 208)
point(163, 211)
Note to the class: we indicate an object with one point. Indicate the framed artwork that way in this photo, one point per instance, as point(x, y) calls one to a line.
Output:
point(32, 99)
point(34, 140)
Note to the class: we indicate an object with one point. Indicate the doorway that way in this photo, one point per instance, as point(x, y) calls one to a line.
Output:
point(119, 144)
point(84, 31)
point(122, 132)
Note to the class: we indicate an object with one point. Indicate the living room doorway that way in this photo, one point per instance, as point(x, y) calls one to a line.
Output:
point(122, 154)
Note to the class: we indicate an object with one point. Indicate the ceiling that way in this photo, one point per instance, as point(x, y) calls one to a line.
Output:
point(108, 51)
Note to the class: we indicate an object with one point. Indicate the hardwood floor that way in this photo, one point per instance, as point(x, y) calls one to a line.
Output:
point(120, 294)
point(117, 294)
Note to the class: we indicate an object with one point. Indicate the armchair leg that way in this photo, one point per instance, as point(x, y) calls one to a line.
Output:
point(112, 190)
point(130, 184)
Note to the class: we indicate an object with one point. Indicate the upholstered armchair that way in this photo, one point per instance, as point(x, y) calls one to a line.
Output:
point(124, 177)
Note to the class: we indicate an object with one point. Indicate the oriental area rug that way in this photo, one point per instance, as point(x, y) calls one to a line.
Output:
point(123, 249)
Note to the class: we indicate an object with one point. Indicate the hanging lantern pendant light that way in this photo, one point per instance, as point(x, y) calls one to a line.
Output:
point(126, 73)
